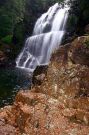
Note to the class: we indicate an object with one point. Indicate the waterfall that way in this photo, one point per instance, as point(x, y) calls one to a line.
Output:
point(47, 36)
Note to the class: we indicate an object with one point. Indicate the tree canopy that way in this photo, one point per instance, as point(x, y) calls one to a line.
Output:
point(19, 16)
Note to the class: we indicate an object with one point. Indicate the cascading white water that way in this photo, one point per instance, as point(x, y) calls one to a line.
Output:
point(47, 36)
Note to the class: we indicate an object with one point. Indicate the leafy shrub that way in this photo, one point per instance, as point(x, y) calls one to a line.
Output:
point(7, 39)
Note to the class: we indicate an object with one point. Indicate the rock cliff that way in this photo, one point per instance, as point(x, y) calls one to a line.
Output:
point(58, 103)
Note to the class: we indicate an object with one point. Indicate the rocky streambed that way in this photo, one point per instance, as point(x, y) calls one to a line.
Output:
point(58, 103)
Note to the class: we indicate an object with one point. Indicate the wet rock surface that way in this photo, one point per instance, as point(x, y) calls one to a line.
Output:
point(59, 104)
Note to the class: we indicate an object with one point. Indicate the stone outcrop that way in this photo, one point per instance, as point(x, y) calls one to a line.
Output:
point(7, 128)
point(58, 103)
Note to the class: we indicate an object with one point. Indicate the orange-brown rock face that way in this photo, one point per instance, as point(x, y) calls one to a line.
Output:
point(58, 104)
point(40, 114)
point(68, 73)
point(79, 51)
point(6, 126)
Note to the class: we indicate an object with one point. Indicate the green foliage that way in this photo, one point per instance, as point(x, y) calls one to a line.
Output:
point(19, 31)
point(80, 9)
point(5, 25)
point(7, 39)
point(71, 23)
point(11, 12)
point(17, 18)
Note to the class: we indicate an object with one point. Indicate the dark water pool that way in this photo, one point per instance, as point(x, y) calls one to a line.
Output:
point(11, 81)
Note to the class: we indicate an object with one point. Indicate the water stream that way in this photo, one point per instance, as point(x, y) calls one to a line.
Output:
point(11, 81)
point(47, 36)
